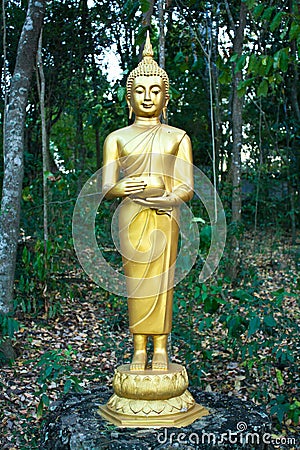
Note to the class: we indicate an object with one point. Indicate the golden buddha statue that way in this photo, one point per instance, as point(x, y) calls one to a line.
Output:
point(157, 162)
point(151, 199)
point(149, 165)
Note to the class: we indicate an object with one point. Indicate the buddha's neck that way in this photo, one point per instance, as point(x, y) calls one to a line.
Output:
point(146, 121)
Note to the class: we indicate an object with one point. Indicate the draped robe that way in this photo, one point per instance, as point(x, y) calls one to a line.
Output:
point(149, 236)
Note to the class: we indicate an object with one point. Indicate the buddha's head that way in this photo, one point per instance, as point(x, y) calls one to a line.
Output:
point(147, 86)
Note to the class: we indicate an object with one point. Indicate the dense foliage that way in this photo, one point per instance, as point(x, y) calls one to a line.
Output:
point(234, 317)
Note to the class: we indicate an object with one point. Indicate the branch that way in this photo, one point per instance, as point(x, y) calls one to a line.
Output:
point(230, 17)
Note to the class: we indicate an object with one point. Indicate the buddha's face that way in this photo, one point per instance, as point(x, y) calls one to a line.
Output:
point(148, 96)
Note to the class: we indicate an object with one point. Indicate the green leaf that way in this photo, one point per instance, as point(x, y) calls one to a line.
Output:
point(234, 57)
point(67, 385)
point(279, 377)
point(145, 5)
point(211, 305)
point(179, 58)
point(205, 323)
point(204, 293)
point(265, 65)
point(225, 77)
point(294, 31)
point(254, 325)
point(48, 371)
point(284, 59)
point(121, 93)
point(242, 295)
point(280, 410)
point(205, 234)
point(48, 174)
point(197, 292)
point(234, 326)
point(284, 32)
point(281, 59)
point(253, 65)
point(174, 93)
point(269, 321)
point(276, 21)
point(40, 409)
point(242, 87)
point(240, 63)
point(257, 11)
point(45, 400)
point(25, 256)
point(268, 13)
point(12, 326)
point(262, 89)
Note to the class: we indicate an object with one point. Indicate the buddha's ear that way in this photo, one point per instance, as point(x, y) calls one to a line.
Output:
point(164, 110)
point(167, 97)
point(130, 107)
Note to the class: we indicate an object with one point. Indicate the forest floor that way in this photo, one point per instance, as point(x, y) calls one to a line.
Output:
point(81, 346)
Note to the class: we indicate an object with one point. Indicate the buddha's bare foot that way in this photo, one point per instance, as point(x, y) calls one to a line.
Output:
point(139, 360)
point(160, 361)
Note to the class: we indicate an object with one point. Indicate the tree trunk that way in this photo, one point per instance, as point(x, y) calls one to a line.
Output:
point(146, 22)
point(5, 72)
point(41, 91)
point(237, 120)
point(162, 39)
point(13, 150)
point(237, 138)
point(294, 79)
point(162, 43)
point(216, 91)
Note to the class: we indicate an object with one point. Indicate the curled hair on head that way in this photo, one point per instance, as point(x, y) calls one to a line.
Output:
point(147, 67)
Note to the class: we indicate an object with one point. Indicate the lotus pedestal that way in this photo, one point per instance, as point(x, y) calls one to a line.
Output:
point(151, 398)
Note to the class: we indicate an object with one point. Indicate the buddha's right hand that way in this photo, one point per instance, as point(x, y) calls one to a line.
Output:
point(126, 186)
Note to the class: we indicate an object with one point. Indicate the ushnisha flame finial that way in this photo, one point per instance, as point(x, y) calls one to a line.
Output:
point(147, 67)
point(148, 50)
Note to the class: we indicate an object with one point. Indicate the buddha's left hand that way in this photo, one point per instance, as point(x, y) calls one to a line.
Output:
point(166, 201)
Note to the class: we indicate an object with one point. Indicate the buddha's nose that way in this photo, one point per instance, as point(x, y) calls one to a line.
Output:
point(147, 95)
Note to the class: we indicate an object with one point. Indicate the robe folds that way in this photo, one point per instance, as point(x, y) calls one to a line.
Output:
point(149, 236)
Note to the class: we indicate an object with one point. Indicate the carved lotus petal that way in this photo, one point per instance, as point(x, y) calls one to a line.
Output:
point(175, 402)
point(112, 401)
point(168, 408)
point(150, 386)
point(137, 405)
point(147, 409)
point(165, 384)
point(188, 398)
point(158, 406)
point(121, 405)
point(128, 386)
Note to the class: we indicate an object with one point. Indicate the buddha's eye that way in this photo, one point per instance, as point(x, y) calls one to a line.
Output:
point(156, 91)
point(139, 91)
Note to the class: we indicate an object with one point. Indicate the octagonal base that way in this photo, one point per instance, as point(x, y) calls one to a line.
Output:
point(177, 420)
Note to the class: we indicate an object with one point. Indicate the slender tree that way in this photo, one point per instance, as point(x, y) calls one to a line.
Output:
point(14, 148)
point(237, 120)
point(46, 167)
point(237, 131)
